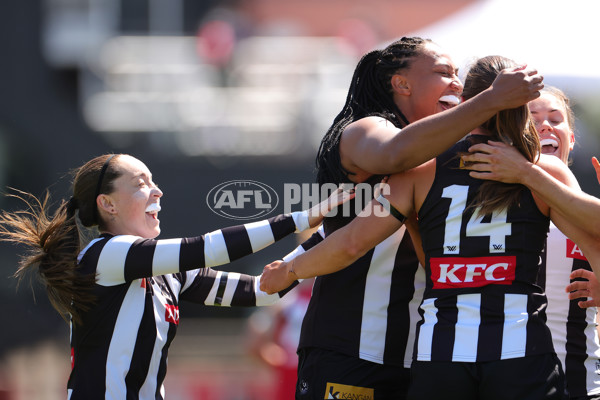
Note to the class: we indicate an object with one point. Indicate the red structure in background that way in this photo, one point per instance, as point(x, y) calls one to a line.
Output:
point(390, 18)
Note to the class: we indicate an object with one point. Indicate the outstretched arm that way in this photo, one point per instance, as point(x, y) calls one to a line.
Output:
point(226, 289)
point(125, 258)
point(376, 146)
point(347, 244)
point(501, 162)
point(586, 284)
point(337, 251)
point(589, 244)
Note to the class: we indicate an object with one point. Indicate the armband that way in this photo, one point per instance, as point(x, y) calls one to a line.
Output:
point(391, 209)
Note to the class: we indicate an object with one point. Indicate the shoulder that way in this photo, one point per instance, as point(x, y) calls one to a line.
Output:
point(413, 184)
point(550, 163)
point(414, 173)
point(366, 125)
point(557, 169)
point(367, 135)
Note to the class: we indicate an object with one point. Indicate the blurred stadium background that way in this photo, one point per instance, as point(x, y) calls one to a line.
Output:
point(207, 91)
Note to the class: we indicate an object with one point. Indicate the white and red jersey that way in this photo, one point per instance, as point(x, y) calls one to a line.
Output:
point(573, 329)
point(481, 301)
point(119, 351)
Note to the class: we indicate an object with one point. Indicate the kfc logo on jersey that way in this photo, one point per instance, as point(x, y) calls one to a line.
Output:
point(573, 251)
point(462, 272)
point(172, 314)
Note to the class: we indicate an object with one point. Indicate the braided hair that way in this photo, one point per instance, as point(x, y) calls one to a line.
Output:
point(370, 94)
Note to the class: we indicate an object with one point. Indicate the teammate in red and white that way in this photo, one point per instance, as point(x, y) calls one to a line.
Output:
point(122, 291)
point(483, 332)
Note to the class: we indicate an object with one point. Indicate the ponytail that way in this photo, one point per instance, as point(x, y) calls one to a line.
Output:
point(513, 126)
point(53, 242)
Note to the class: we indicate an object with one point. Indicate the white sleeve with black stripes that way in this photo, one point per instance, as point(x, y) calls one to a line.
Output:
point(219, 288)
point(225, 289)
point(125, 258)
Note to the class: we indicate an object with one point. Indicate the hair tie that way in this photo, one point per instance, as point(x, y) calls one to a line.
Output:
point(72, 205)
point(100, 179)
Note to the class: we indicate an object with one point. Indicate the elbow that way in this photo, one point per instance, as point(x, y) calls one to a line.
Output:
point(396, 162)
point(399, 161)
point(352, 250)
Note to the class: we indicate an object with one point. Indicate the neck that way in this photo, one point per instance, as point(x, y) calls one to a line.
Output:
point(480, 131)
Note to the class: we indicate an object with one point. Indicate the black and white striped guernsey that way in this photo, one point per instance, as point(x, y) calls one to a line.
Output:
point(368, 310)
point(573, 328)
point(481, 302)
point(120, 349)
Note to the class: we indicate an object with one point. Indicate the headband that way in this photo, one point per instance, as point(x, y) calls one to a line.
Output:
point(100, 179)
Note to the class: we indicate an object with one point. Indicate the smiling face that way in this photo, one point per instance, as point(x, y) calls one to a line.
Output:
point(132, 207)
point(550, 115)
point(432, 84)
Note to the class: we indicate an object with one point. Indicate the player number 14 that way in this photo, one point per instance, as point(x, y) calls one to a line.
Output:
point(497, 229)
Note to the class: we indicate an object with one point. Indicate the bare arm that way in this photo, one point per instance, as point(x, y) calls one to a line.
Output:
point(501, 162)
point(376, 146)
point(345, 245)
point(587, 285)
point(317, 213)
point(336, 252)
point(589, 244)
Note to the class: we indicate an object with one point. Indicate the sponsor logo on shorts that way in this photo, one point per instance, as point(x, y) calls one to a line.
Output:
point(172, 314)
point(339, 391)
point(573, 251)
point(462, 272)
point(303, 387)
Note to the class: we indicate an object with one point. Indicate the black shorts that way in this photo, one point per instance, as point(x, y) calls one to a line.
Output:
point(325, 374)
point(526, 378)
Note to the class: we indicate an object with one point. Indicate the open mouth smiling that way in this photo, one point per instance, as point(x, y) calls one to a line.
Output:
point(549, 146)
point(152, 210)
point(449, 101)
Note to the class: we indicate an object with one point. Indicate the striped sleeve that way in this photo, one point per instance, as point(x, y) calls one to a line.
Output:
point(311, 242)
point(229, 244)
point(219, 288)
point(125, 258)
point(226, 289)
point(265, 299)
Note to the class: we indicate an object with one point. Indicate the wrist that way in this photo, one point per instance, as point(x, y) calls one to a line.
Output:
point(291, 272)
point(489, 102)
point(314, 216)
point(529, 174)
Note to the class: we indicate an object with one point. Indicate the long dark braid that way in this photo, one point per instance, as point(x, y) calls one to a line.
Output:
point(370, 94)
